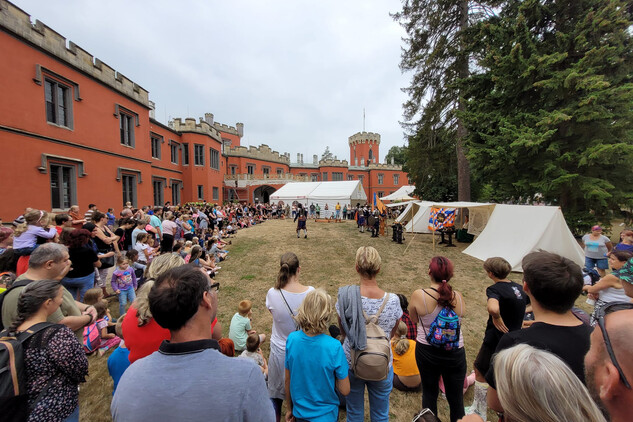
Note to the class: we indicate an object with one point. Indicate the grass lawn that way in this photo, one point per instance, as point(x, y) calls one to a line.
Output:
point(327, 261)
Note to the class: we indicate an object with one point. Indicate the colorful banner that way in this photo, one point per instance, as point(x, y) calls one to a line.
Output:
point(441, 218)
point(378, 204)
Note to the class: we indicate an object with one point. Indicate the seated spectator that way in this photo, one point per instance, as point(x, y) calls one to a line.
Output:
point(84, 261)
point(184, 301)
point(609, 288)
point(626, 241)
point(241, 327)
point(254, 353)
point(406, 375)
point(609, 362)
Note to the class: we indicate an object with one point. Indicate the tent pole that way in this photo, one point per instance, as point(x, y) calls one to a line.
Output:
point(407, 248)
point(433, 233)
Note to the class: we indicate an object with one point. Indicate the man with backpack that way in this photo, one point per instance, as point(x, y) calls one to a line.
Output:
point(49, 261)
point(553, 284)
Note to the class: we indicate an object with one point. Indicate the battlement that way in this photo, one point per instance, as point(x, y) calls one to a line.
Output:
point(384, 166)
point(237, 130)
point(190, 125)
point(15, 20)
point(333, 163)
point(364, 137)
point(263, 152)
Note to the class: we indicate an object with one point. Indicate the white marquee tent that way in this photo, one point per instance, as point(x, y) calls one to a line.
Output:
point(402, 194)
point(416, 214)
point(513, 231)
point(347, 192)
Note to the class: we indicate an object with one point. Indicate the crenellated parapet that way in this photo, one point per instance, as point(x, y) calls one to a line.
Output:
point(385, 166)
point(263, 152)
point(333, 163)
point(237, 130)
point(18, 22)
point(190, 125)
point(364, 138)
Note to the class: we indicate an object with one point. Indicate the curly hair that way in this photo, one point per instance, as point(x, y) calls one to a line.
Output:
point(314, 312)
point(78, 238)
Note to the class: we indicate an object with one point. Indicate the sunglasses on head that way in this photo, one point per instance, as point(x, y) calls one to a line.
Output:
point(214, 286)
point(600, 316)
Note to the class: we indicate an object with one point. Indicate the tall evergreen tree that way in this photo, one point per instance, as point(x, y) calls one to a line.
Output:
point(551, 113)
point(436, 52)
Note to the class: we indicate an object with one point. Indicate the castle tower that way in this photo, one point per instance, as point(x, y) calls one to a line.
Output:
point(364, 147)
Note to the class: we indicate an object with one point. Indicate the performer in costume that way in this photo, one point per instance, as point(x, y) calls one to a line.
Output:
point(301, 218)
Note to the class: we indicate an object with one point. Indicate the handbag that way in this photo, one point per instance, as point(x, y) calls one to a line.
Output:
point(425, 415)
point(107, 262)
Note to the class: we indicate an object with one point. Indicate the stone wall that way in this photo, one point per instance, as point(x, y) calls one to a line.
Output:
point(364, 137)
point(18, 22)
point(263, 152)
point(190, 125)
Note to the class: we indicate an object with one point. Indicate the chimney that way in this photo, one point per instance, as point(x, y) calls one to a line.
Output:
point(392, 161)
point(240, 129)
point(208, 117)
point(152, 110)
point(301, 158)
point(315, 159)
point(298, 158)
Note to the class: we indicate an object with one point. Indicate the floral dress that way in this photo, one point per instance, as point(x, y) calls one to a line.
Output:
point(55, 365)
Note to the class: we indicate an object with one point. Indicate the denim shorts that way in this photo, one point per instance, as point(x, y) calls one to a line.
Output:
point(600, 263)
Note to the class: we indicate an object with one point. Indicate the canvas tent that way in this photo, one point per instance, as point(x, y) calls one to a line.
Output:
point(513, 231)
point(402, 194)
point(348, 193)
point(416, 214)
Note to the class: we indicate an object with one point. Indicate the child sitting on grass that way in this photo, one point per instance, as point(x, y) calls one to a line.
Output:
point(241, 326)
point(124, 283)
point(104, 319)
point(255, 353)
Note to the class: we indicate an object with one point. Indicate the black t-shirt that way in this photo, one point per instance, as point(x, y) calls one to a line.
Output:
point(570, 344)
point(83, 260)
point(512, 301)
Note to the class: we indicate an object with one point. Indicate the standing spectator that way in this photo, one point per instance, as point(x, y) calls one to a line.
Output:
point(283, 301)
point(168, 229)
point(372, 298)
point(626, 242)
point(315, 364)
point(155, 222)
point(111, 218)
point(412, 327)
point(597, 246)
point(506, 308)
point(54, 361)
point(124, 283)
point(84, 260)
point(553, 284)
point(140, 228)
point(434, 361)
point(183, 301)
point(88, 215)
point(62, 220)
point(609, 362)
point(124, 232)
point(106, 242)
point(6, 239)
point(75, 216)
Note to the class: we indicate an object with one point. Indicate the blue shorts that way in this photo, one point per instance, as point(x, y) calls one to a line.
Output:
point(600, 263)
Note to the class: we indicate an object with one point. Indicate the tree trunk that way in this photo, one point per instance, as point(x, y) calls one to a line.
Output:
point(463, 166)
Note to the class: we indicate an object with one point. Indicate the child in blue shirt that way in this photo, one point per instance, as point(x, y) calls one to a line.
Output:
point(315, 364)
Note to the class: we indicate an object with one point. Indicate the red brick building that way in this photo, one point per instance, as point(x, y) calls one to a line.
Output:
point(75, 131)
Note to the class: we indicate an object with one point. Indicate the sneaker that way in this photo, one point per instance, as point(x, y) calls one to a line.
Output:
point(305, 237)
point(297, 235)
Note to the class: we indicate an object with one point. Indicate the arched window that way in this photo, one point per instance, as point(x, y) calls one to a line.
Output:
point(371, 155)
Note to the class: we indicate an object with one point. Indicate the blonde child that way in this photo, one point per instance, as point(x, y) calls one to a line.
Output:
point(241, 326)
point(255, 353)
point(153, 248)
point(124, 283)
point(315, 363)
point(142, 248)
point(25, 235)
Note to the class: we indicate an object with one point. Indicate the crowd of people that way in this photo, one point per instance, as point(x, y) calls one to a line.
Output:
point(539, 360)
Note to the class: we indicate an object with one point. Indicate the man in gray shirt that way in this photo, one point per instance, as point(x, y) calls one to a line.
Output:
point(188, 379)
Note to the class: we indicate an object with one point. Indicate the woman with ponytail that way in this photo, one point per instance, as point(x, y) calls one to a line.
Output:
point(54, 360)
point(425, 305)
point(283, 302)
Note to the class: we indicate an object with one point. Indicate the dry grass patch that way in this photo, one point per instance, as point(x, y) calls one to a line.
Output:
point(327, 261)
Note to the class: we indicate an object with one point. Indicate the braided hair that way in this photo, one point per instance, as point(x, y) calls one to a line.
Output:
point(31, 299)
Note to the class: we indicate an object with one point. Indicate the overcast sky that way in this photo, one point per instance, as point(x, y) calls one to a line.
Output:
point(296, 73)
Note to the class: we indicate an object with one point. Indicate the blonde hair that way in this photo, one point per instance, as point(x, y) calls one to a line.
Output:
point(31, 218)
point(536, 386)
point(368, 261)
point(244, 306)
point(400, 342)
point(158, 266)
point(314, 312)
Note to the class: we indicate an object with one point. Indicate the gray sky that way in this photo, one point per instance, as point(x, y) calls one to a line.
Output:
point(296, 73)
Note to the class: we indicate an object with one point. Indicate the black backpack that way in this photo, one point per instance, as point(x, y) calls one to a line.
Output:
point(14, 403)
point(19, 283)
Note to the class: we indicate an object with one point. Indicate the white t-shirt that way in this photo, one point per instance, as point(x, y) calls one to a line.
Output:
point(283, 323)
point(140, 247)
